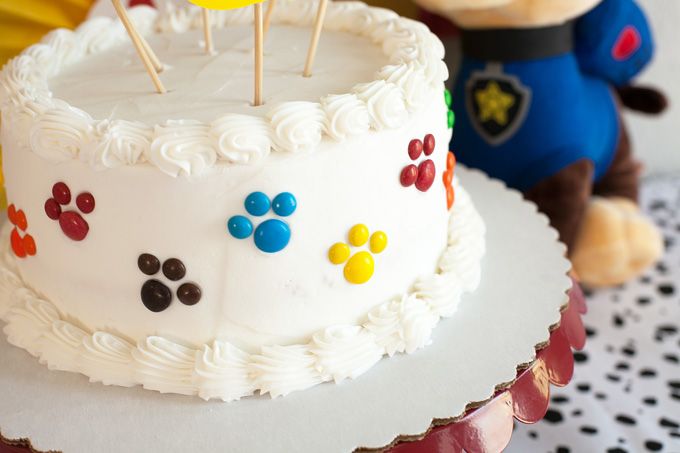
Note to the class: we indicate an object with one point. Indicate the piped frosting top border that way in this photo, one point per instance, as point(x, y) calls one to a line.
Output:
point(59, 132)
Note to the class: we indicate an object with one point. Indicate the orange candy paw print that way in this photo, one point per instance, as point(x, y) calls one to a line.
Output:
point(448, 179)
point(23, 244)
point(359, 267)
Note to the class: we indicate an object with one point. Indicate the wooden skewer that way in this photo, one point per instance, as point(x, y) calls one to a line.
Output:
point(139, 46)
point(318, 26)
point(259, 54)
point(207, 32)
point(268, 15)
point(157, 65)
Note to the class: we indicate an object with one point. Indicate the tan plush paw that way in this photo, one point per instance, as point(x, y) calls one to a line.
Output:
point(616, 243)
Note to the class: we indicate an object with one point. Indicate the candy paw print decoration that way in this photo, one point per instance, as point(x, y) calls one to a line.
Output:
point(71, 221)
point(359, 268)
point(272, 235)
point(422, 175)
point(448, 179)
point(23, 244)
point(156, 295)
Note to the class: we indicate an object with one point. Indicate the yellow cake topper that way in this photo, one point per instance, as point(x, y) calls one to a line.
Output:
point(224, 4)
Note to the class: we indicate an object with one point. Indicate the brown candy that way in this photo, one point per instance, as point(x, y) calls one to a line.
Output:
point(189, 294)
point(148, 264)
point(174, 269)
point(156, 296)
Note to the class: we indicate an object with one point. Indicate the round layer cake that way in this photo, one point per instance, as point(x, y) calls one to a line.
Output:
point(195, 244)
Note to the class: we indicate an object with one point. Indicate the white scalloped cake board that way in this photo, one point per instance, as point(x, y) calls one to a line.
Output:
point(524, 284)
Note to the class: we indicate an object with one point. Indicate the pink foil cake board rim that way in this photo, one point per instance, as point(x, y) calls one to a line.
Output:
point(496, 330)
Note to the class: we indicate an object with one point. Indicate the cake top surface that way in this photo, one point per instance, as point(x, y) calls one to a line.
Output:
point(83, 94)
point(114, 85)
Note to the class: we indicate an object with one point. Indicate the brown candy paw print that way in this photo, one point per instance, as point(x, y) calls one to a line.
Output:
point(156, 295)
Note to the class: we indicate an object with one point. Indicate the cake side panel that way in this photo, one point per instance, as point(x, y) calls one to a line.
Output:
point(249, 297)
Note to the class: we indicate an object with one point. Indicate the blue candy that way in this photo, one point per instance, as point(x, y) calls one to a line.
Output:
point(257, 204)
point(240, 227)
point(284, 204)
point(272, 236)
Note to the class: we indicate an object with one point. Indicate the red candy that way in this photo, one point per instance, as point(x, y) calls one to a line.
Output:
point(415, 148)
point(422, 175)
point(409, 175)
point(85, 202)
point(52, 209)
point(73, 225)
point(428, 146)
point(426, 174)
point(61, 193)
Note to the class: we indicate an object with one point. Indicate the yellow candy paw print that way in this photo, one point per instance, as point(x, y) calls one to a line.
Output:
point(360, 267)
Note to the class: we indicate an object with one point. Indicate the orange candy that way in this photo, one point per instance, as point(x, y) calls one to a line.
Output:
point(29, 245)
point(450, 162)
point(448, 179)
point(450, 196)
point(25, 246)
point(12, 214)
point(17, 244)
point(21, 221)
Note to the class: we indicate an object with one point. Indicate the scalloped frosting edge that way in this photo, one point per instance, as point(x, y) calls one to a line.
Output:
point(220, 370)
point(60, 132)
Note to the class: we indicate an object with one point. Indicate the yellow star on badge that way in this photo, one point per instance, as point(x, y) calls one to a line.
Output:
point(494, 103)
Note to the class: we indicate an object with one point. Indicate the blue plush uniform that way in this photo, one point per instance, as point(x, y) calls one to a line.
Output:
point(522, 120)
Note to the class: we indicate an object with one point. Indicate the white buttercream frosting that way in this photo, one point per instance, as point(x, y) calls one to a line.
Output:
point(298, 125)
point(241, 139)
point(187, 147)
point(346, 115)
point(60, 132)
point(220, 370)
point(117, 143)
point(182, 147)
point(165, 366)
point(385, 102)
point(320, 138)
point(223, 371)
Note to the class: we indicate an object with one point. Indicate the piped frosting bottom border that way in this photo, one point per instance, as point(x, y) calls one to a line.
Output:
point(222, 371)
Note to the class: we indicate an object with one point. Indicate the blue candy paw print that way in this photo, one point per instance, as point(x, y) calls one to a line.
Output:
point(272, 235)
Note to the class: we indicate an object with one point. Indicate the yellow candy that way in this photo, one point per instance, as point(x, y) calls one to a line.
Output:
point(358, 235)
point(359, 268)
point(338, 253)
point(224, 4)
point(378, 242)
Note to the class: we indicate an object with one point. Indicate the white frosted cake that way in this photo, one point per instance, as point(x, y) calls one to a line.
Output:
point(194, 244)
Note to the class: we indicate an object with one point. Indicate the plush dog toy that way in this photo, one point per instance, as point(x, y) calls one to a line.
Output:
point(537, 105)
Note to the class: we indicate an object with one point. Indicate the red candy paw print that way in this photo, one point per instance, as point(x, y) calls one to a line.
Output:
point(22, 246)
point(423, 175)
point(72, 223)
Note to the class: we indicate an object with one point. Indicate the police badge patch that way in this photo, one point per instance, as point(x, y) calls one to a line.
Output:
point(497, 103)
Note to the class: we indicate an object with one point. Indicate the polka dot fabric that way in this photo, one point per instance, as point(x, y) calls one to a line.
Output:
point(625, 394)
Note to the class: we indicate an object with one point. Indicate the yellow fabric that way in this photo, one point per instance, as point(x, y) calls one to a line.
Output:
point(24, 22)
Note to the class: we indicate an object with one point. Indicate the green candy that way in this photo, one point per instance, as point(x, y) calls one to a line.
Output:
point(448, 98)
point(451, 119)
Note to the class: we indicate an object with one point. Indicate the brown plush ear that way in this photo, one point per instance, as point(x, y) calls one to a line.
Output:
point(643, 99)
point(563, 197)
